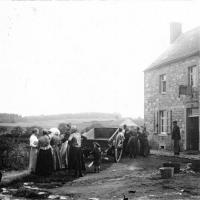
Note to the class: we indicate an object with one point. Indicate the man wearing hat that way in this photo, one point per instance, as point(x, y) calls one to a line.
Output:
point(176, 136)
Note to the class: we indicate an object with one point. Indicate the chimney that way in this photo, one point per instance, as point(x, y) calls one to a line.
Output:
point(175, 31)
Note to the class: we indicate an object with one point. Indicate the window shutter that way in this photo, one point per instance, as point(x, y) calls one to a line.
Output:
point(154, 122)
point(170, 121)
point(159, 84)
point(156, 126)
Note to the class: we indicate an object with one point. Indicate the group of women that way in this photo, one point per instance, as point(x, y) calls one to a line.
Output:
point(53, 151)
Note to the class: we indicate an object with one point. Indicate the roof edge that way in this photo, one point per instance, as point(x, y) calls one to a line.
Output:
point(196, 53)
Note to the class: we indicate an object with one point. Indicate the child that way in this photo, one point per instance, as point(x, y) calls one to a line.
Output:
point(97, 157)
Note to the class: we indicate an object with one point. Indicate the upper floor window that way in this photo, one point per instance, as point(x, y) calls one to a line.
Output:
point(192, 74)
point(163, 83)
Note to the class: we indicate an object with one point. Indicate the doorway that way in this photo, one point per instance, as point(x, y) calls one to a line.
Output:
point(193, 133)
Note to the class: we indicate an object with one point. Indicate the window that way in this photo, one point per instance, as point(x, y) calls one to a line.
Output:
point(192, 74)
point(163, 121)
point(163, 83)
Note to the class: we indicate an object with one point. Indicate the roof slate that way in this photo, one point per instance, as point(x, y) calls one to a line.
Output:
point(186, 45)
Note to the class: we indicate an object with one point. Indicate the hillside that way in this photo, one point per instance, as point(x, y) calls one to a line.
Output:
point(76, 116)
point(82, 120)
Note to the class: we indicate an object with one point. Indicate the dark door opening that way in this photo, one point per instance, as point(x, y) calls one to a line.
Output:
point(193, 133)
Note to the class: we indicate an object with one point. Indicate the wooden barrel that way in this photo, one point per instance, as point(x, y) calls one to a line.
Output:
point(167, 172)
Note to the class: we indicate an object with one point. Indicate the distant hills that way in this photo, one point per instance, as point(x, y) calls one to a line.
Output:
point(14, 118)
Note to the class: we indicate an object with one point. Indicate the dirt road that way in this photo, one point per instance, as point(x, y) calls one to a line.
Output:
point(136, 179)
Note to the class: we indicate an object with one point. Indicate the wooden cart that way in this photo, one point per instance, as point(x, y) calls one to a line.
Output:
point(107, 138)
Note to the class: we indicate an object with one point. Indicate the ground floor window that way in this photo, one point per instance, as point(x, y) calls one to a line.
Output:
point(163, 122)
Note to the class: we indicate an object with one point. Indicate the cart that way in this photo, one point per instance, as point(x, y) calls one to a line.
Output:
point(111, 145)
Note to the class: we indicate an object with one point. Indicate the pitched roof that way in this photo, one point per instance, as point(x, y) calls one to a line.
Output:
point(186, 45)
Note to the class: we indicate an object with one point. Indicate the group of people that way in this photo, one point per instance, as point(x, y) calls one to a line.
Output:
point(135, 142)
point(54, 151)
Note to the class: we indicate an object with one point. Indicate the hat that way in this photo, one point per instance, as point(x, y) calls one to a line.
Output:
point(54, 131)
point(175, 122)
point(45, 132)
point(35, 130)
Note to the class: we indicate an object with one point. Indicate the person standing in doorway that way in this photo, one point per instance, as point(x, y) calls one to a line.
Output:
point(176, 136)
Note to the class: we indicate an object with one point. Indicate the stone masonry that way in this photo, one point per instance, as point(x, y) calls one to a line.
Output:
point(154, 101)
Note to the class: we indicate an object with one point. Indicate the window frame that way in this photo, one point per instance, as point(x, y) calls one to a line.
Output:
point(163, 119)
point(192, 76)
point(163, 83)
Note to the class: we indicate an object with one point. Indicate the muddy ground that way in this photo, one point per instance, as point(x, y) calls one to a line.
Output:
point(135, 178)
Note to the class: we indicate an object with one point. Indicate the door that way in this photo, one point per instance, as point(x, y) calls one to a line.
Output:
point(193, 133)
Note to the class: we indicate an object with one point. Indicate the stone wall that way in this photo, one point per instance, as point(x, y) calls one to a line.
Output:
point(14, 147)
point(154, 101)
point(14, 152)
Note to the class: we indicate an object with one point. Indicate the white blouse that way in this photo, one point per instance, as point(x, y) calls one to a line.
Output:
point(33, 141)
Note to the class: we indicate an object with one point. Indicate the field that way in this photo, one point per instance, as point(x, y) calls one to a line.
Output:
point(80, 123)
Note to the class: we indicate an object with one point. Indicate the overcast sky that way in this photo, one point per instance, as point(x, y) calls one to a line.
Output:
point(83, 56)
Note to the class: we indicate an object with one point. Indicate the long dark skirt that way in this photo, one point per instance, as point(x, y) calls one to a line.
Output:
point(144, 147)
point(75, 159)
point(44, 166)
point(132, 146)
point(125, 146)
point(176, 147)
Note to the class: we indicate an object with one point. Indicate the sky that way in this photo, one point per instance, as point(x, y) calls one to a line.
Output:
point(83, 56)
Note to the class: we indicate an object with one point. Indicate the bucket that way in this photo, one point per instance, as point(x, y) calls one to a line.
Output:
point(167, 172)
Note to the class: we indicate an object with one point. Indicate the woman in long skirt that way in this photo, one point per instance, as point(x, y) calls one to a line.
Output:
point(44, 165)
point(55, 143)
point(133, 145)
point(75, 158)
point(33, 150)
point(64, 150)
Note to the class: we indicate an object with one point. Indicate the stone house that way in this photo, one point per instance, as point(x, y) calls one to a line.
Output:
point(171, 91)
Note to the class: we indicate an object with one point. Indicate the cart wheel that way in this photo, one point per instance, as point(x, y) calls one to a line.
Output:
point(118, 154)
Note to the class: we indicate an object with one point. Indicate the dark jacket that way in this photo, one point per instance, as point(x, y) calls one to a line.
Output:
point(176, 133)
